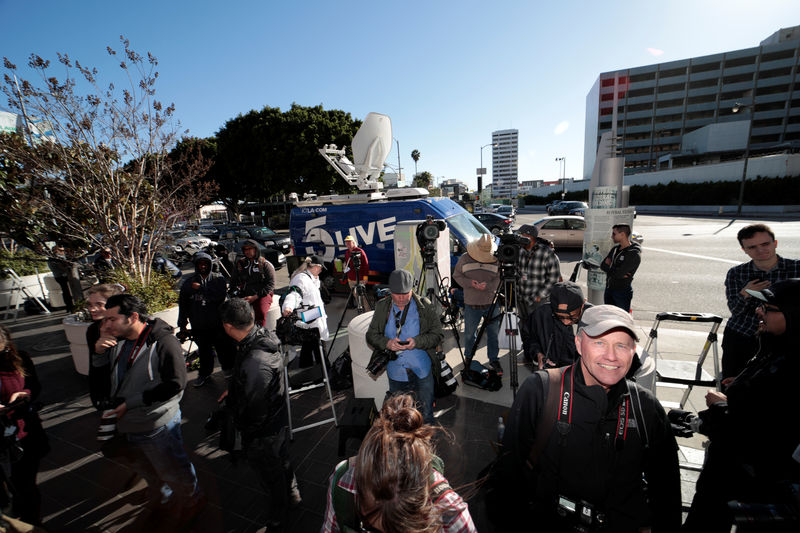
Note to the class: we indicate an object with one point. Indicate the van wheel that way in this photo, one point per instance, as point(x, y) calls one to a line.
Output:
point(327, 287)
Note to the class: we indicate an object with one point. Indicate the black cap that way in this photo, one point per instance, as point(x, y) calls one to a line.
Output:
point(566, 292)
point(528, 229)
point(316, 260)
point(783, 294)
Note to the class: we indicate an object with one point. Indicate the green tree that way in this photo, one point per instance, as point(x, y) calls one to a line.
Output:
point(266, 152)
point(415, 155)
point(100, 170)
point(423, 179)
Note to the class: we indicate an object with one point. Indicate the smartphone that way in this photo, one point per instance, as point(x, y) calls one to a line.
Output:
point(403, 342)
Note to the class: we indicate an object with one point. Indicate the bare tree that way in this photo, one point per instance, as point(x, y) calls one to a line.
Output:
point(100, 169)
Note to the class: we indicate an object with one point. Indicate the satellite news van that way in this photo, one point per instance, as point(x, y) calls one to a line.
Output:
point(319, 224)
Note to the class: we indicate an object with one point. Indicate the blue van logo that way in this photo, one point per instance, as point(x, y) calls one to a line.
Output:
point(381, 230)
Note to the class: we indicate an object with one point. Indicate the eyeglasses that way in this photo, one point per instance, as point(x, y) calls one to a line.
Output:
point(766, 308)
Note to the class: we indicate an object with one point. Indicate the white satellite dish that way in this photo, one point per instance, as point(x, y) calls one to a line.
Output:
point(371, 145)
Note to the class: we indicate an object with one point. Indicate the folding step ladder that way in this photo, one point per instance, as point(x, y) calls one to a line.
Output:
point(685, 374)
point(325, 382)
point(16, 292)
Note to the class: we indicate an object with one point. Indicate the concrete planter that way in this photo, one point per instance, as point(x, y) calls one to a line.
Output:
point(76, 335)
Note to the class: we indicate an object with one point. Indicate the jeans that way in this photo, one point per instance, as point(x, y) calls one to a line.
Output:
point(472, 317)
point(269, 457)
point(619, 297)
point(207, 339)
point(163, 463)
point(421, 388)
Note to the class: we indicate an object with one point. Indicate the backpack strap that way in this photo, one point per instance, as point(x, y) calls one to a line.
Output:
point(547, 413)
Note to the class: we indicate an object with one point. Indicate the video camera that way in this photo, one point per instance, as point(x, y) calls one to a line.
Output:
point(510, 245)
point(427, 235)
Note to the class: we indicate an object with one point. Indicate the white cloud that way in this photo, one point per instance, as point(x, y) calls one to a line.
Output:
point(655, 52)
point(561, 128)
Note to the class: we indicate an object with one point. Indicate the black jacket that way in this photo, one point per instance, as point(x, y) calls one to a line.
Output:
point(257, 396)
point(255, 277)
point(591, 464)
point(624, 262)
point(201, 306)
point(550, 336)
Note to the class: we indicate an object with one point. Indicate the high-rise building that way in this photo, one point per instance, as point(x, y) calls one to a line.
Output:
point(505, 163)
point(700, 110)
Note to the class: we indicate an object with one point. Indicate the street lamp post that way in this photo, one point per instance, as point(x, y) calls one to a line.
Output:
point(562, 166)
point(481, 170)
point(736, 108)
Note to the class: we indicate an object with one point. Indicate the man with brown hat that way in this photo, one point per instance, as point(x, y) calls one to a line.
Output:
point(552, 340)
point(478, 274)
point(585, 446)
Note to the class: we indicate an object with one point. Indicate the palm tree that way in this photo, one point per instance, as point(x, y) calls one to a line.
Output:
point(415, 156)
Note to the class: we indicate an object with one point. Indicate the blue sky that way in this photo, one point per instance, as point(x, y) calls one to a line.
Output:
point(447, 73)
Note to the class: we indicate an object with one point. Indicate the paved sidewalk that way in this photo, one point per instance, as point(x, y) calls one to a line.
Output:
point(84, 491)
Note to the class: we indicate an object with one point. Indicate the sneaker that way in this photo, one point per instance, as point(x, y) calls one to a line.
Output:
point(201, 380)
point(496, 366)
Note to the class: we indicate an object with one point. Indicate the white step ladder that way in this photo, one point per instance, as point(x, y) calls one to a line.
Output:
point(16, 292)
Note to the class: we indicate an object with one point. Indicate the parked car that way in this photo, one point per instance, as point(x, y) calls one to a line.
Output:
point(507, 211)
point(495, 223)
point(235, 253)
point(565, 231)
point(187, 239)
point(494, 207)
point(269, 237)
point(564, 208)
point(549, 207)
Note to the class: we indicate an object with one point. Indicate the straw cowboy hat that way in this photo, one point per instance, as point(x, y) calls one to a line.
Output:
point(482, 249)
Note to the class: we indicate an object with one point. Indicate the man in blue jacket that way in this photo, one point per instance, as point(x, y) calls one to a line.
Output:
point(200, 298)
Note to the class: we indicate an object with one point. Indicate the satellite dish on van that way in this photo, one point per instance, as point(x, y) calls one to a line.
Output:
point(371, 145)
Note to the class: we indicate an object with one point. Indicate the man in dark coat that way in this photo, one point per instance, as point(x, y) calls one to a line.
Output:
point(552, 339)
point(257, 398)
point(254, 278)
point(200, 298)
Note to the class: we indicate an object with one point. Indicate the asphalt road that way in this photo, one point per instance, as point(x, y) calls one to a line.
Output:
point(685, 260)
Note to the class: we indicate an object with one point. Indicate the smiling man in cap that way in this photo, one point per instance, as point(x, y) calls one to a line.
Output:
point(408, 325)
point(582, 442)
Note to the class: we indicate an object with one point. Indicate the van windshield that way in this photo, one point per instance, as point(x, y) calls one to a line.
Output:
point(468, 226)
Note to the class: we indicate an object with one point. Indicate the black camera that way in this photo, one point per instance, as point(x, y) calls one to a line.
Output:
point(684, 423)
point(510, 244)
point(581, 516)
point(427, 234)
point(379, 360)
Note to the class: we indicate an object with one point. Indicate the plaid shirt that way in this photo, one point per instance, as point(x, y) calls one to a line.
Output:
point(538, 271)
point(454, 511)
point(743, 310)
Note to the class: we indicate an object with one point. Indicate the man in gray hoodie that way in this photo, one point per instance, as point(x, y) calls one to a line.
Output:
point(148, 375)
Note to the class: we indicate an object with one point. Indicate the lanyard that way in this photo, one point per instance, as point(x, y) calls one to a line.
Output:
point(400, 319)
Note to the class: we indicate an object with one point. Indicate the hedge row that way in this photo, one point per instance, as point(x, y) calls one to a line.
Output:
point(759, 191)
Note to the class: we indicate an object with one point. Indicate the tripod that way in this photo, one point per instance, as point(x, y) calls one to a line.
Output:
point(505, 296)
point(357, 293)
point(433, 285)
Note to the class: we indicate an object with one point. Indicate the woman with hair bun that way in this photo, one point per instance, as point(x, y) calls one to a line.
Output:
point(396, 482)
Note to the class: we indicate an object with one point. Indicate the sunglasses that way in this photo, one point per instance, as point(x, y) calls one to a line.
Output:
point(766, 308)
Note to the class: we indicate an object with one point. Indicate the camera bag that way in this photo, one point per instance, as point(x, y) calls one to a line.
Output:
point(481, 376)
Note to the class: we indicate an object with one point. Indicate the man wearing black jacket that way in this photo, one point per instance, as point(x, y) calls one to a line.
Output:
point(254, 279)
point(603, 453)
point(620, 265)
point(257, 399)
point(200, 298)
point(552, 340)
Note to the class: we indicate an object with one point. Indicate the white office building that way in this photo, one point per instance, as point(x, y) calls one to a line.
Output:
point(505, 163)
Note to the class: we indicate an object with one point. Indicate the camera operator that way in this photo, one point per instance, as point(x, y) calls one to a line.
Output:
point(356, 266)
point(586, 449)
point(478, 274)
point(552, 341)
point(413, 336)
point(754, 427)
point(538, 270)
